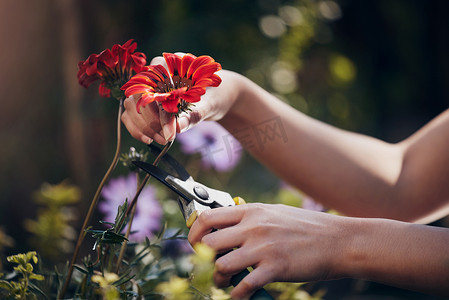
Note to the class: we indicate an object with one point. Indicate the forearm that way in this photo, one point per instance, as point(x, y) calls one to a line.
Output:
point(333, 166)
point(401, 254)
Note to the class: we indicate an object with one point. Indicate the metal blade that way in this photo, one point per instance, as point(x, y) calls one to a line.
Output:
point(172, 164)
point(160, 175)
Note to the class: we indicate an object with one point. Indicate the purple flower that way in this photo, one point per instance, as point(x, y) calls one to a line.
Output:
point(148, 215)
point(307, 202)
point(310, 204)
point(219, 149)
point(175, 248)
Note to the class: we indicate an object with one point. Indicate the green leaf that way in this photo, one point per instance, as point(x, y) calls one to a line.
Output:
point(37, 277)
point(31, 255)
point(124, 278)
point(81, 269)
point(140, 255)
point(121, 214)
point(6, 285)
point(107, 223)
point(36, 290)
point(20, 269)
point(162, 232)
point(112, 237)
point(29, 268)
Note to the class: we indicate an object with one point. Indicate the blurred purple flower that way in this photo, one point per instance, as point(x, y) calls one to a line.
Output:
point(310, 204)
point(175, 248)
point(219, 149)
point(307, 201)
point(147, 219)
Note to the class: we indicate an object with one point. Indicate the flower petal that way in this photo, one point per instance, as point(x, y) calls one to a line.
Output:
point(92, 69)
point(185, 64)
point(194, 94)
point(139, 60)
point(173, 63)
point(138, 89)
point(198, 62)
point(204, 82)
point(205, 71)
point(103, 90)
point(216, 80)
point(107, 58)
point(86, 80)
point(114, 66)
point(130, 46)
point(140, 78)
point(144, 100)
point(170, 106)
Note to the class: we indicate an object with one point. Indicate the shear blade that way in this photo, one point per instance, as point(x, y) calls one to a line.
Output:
point(172, 164)
point(160, 175)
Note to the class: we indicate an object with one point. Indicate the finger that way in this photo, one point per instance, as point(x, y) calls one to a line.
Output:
point(187, 120)
point(134, 130)
point(215, 219)
point(200, 111)
point(168, 124)
point(251, 283)
point(158, 60)
point(144, 124)
point(232, 263)
point(151, 125)
point(225, 239)
point(180, 53)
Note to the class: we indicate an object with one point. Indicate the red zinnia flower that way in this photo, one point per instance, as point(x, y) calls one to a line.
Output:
point(184, 82)
point(113, 67)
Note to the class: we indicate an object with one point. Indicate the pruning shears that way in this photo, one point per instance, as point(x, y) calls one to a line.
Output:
point(194, 198)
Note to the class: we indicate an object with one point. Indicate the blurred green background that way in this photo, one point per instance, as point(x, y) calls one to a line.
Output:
point(376, 67)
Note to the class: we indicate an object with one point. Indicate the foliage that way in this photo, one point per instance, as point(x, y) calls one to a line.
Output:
point(53, 233)
point(23, 288)
point(146, 270)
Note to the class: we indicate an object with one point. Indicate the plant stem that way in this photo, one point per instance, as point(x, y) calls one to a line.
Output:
point(132, 207)
point(93, 204)
point(128, 230)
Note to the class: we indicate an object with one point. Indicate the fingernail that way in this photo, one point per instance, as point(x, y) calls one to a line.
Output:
point(149, 141)
point(160, 139)
point(168, 135)
point(183, 123)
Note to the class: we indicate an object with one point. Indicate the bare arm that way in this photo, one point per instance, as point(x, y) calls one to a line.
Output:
point(355, 174)
point(291, 244)
point(405, 255)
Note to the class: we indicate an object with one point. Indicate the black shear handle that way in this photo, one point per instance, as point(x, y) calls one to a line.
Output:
point(260, 294)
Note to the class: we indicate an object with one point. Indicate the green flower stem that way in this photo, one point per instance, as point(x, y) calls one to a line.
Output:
point(132, 207)
point(93, 204)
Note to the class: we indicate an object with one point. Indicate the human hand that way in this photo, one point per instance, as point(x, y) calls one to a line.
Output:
point(281, 243)
point(153, 123)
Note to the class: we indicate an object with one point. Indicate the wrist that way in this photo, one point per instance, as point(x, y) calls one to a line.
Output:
point(230, 93)
point(244, 100)
point(345, 248)
point(363, 256)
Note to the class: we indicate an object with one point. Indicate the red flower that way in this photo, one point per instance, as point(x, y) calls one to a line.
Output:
point(184, 82)
point(113, 67)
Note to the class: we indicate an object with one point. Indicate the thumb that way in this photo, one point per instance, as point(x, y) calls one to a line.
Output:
point(188, 119)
